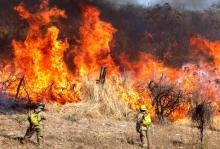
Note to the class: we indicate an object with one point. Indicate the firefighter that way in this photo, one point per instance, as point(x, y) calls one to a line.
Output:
point(142, 126)
point(35, 126)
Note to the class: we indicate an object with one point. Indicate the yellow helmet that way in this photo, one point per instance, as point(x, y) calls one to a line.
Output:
point(143, 108)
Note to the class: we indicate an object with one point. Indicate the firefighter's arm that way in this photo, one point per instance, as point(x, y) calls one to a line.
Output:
point(42, 117)
point(140, 118)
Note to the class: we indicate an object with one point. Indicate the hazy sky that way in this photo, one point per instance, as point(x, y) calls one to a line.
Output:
point(189, 4)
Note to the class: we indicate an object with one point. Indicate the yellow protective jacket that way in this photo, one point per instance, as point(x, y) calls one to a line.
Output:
point(146, 119)
point(143, 121)
point(34, 119)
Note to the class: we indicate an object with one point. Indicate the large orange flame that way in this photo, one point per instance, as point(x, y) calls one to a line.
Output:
point(95, 37)
point(208, 47)
point(40, 57)
point(209, 70)
point(40, 60)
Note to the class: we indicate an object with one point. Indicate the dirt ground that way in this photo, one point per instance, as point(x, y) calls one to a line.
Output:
point(69, 131)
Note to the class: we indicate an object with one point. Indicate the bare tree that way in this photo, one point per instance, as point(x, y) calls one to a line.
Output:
point(201, 115)
point(166, 97)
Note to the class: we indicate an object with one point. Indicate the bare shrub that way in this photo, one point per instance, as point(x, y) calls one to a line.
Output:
point(201, 115)
point(166, 97)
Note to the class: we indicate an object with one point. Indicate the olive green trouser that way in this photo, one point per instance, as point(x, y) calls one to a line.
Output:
point(29, 133)
point(144, 136)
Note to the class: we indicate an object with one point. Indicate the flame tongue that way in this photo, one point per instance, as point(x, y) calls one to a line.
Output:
point(94, 50)
point(208, 48)
point(40, 57)
point(209, 72)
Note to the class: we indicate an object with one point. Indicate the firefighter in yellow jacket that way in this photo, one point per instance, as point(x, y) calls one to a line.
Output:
point(35, 125)
point(142, 126)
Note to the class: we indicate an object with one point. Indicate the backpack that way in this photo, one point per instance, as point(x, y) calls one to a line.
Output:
point(33, 118)
point(146, 120)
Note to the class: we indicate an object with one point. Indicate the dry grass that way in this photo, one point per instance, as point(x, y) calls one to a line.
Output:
point(101, 120)
point(84, 132)
point(99, 101)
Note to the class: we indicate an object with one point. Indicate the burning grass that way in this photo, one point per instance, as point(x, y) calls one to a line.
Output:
point(40, 71)
point(100, 101)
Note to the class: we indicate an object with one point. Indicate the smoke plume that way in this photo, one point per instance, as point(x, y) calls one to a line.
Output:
point(188, 4)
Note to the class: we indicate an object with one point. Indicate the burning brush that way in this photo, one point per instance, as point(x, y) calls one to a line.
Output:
point(49, 75)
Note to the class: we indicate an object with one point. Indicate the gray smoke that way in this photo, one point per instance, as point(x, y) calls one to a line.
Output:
point(188, 4)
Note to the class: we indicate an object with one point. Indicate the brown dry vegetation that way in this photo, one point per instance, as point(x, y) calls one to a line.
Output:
point(99, 101)
point(96, 123)
point(101, 120)
point(66, 129)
